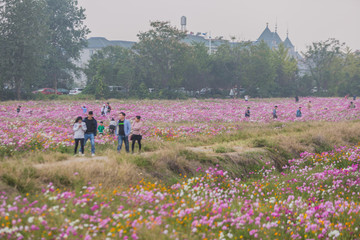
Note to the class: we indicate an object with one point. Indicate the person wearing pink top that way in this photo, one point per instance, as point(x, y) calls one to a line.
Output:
point(136, 133)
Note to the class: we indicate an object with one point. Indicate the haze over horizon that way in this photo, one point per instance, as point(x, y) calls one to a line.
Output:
point(307, 21)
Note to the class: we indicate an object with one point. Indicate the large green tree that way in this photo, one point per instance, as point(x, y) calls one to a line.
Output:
point(23, 34)
point(66, 39)
point(160, 52)
point(286, 72)
point(114, 66)
point(323, 62)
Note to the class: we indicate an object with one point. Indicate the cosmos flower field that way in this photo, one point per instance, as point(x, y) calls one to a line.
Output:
point(48, 125)
point(316, 197)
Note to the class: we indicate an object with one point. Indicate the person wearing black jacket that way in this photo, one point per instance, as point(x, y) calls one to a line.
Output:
point(91, 130)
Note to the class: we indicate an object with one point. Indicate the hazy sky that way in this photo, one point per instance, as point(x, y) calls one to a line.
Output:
point(307, 20)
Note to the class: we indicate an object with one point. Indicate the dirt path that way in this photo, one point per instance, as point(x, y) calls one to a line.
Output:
point(207, 150)
point(70, 161)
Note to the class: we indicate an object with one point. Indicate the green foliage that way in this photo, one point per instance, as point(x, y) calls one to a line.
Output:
point(222, 149)
point(23, 38)
point(66, 38)
point(39, 41)
point(161, 55)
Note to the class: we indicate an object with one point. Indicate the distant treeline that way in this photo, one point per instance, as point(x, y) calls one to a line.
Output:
point(40, 39)
point(161, 61)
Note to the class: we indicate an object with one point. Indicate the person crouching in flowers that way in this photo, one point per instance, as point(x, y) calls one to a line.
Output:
point(136, 133)
point(79, 134)
point(101, 128)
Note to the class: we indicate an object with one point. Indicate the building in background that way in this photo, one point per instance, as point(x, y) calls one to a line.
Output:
point(95, 44)
point(272, 39)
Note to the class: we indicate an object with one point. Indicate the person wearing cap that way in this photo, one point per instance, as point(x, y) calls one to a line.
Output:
point(136, 128)
point(91, 131)
point(123, 130)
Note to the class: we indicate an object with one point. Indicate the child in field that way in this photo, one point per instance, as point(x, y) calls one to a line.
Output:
point(298, 112)
point(79, 134)
point(112, 126)
point(101, 128)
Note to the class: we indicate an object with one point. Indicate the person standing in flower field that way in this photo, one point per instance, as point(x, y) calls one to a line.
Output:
point(136, 133)
point(79, 134)
point(101, 128)
point(103, 110)
point(123, 130)
point(274, 112)
point(298, 112)
point(108, 108)
point(309, 105)
point(84, 109)
point(91, 130)
point(247, 112)
point(112, 126)
point(18, 109)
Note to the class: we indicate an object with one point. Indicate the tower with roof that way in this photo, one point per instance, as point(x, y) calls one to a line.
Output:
point(272, 39)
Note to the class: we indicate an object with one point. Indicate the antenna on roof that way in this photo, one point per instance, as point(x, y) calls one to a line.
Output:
point(287, 32)
point(276, 26)
point(267, 24)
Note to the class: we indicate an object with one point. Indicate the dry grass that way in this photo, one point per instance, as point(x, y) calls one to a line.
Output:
point(250, 147)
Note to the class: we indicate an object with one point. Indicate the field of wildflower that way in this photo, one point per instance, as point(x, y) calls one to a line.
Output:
point(315, 197)
point(48, 125)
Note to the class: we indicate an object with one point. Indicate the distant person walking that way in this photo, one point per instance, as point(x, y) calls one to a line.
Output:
point(296, 98)
point(247, 112)
point(79, 134)
point(298, 112)
point(18, 109)
point(136, 133)
point(246, 98)
point(122, 132)
point(84, 109)
point(354, 97)
point(232, 93)
point(275, 112)
point(91, 131)
point(112, 126)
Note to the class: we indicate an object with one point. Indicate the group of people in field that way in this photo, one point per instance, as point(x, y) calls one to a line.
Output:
point(88, 128)
point(298, 111)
